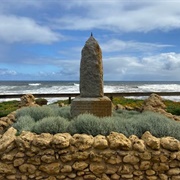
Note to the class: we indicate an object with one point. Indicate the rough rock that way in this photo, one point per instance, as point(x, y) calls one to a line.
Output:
point(138, 144)
point(119, 141)
point(151, 141)
point(27, 100)
point(80, 165)
point(131, 159)
point(82, 141)
point(97, 168)
point(43, 140)
point(8, 137)
point(52, 168)
point(7, 168)
point(155, 103)
point(27, 168)
point(170, 143)
point(91, 70)
point(100, 142)
point(61, 140)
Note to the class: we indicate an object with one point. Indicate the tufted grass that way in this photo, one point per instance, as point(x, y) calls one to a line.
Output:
point(8, 107)
point(53, 119)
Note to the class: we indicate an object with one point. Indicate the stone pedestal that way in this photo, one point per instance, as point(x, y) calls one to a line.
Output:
point(100, 106)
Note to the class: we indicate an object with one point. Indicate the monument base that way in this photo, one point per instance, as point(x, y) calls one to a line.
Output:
point(100, 106)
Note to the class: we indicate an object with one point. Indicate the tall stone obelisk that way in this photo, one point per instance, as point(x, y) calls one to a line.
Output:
point(91, 99)
point(91, 70)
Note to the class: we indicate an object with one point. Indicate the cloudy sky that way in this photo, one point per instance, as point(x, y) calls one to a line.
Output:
point(43, 39)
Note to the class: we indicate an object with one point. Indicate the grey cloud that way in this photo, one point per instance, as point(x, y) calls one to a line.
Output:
point(164, 66)
point(122, 16)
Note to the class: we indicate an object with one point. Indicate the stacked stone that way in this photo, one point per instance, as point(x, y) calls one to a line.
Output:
point(7, 121)
point(83, 157)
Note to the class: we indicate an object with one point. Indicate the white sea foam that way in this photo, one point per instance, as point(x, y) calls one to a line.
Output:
point(73, 87)
point(34, 84)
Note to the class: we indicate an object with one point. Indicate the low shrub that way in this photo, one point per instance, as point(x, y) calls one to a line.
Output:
point(41, 101)
point(92, 125)
point(53, 119)
point(24, 123)
point(51, 125)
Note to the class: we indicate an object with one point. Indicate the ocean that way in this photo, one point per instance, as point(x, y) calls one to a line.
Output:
point(37, 87)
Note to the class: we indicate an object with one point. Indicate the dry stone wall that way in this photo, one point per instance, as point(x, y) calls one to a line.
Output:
point(84, 157)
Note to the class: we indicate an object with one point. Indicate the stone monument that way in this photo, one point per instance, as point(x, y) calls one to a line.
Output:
point(91, 99)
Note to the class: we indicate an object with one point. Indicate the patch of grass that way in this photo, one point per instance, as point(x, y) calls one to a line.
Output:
point(172, 107)
point(135, 103)
point(8, 107)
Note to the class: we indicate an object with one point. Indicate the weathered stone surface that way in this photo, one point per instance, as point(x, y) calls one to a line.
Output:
point(163, 176)
point(125, 169)
point(52, 168)
point(131, 159)
point(7, 138)
point(137, 143)
point(91, 70)
point(151, 141)
point(174, 171)
point(27, 168)
point(7, 168)
point(155, 103)
point(111, 169)
point(43, 140)
point(18, 162)
point(97, 168)
point(47, 158)
point(119, 141)
point(61, 140)
point(24, 140)
point(92, 99)
point(170, 143)
point(82, 141)
point(66, 169)
point(28, 100)
point(160, 167)
point(100, 142)
point(80, 165)
point(100, 106)
point(144, 165)
point(145, 156)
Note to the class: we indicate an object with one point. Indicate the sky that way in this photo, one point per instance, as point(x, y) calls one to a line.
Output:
point(43, 39)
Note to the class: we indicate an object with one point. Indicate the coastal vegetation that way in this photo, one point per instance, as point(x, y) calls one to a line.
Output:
point(172, 106)
point(8, 107)
point(54, 119)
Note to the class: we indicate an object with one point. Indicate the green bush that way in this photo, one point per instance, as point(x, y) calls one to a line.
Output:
point(38, 113)
point(24, 123)
point(51, 125)
point(53, 119)
point(92, 125)
point(157, 124)
point(41, 101)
